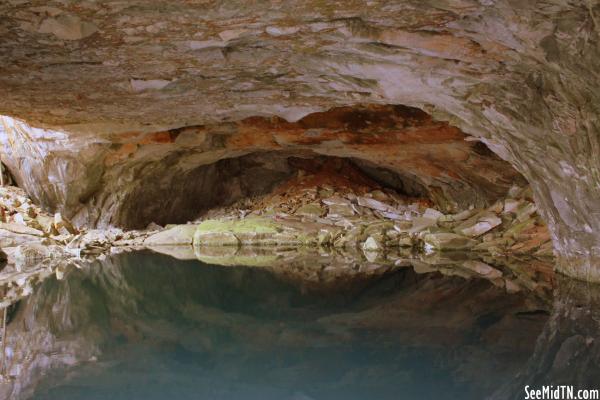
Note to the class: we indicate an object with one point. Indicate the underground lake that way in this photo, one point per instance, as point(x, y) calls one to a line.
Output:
point(142, 325)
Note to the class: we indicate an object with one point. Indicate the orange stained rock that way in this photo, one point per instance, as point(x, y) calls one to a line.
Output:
point(158, 137)
point(122, 153)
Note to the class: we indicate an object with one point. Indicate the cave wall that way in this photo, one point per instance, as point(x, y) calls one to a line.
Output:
point(520, 75)
point(168, 176)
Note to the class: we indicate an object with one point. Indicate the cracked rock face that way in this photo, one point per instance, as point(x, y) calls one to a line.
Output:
point(134, 178)
point(520, 76)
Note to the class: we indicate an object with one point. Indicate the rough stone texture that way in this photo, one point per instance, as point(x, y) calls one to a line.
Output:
point(134, 178)
point(179, 234)
point(521, 76)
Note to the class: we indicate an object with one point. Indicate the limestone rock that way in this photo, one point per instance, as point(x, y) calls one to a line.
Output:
point(20, 229)
point(177, 235)
point(525, 210)
point(248, 231)
point(433, 214)
point(152, 226)
point(11, 239)
point(67, 27)
point(46, 223)
point(420, 224)
point(374, 204)
point(203, 238)
point(312, 210)
point(63, 225)
point(391, 215)
point(405, 240)
point(482, 269)
point(336, 201)
point(371, 244)
point(379, 196)
point(479, 225)
point(324, 238)
point(447, 241)
point(510, 205)
point(28, 255)
point(340, 211)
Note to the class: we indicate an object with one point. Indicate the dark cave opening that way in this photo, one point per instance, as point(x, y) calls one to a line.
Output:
point(179, 198)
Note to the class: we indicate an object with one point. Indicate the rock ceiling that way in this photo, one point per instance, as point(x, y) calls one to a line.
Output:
point(118, 64)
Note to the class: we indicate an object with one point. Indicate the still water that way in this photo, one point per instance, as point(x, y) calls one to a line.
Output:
point(148, 326)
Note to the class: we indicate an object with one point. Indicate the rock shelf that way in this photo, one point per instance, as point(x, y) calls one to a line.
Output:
point(375, 221)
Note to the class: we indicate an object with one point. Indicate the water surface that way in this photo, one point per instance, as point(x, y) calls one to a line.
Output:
point(148, 326)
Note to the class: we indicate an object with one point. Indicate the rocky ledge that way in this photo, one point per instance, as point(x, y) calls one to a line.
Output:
point(321, 208)
point(326, 211)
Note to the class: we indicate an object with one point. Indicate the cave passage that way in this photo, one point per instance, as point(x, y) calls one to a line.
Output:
point(174, 176)
point(243, 180)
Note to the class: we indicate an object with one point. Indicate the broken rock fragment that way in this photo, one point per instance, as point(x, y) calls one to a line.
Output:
point(483, 269)
point(447, 241)
point(63, 226)
point(479, 225)
point(374, 204)
point(177, 235)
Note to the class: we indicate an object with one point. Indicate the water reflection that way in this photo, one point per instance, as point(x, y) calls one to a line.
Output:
point(567, 351)
point(148, 326)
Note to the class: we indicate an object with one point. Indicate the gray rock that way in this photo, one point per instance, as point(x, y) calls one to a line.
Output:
point(391, 215)
point(340, 211)
point(374, 204)
point(336, 201)
point(433, 214)
point(371, 244)
point(479, 225)
point(63, 225)
point(311, 210)
point(177, 235)
point(420, 224)
point(447, 241)
point(215, 239)
point(20, 229)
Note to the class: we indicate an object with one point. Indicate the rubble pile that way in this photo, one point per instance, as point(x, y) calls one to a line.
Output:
point(29, 235)
point(321, 209)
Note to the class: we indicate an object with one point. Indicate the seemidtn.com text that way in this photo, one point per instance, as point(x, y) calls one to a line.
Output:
point(560, 392)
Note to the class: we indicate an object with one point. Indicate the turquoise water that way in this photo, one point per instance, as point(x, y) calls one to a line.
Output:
point(146, 326)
